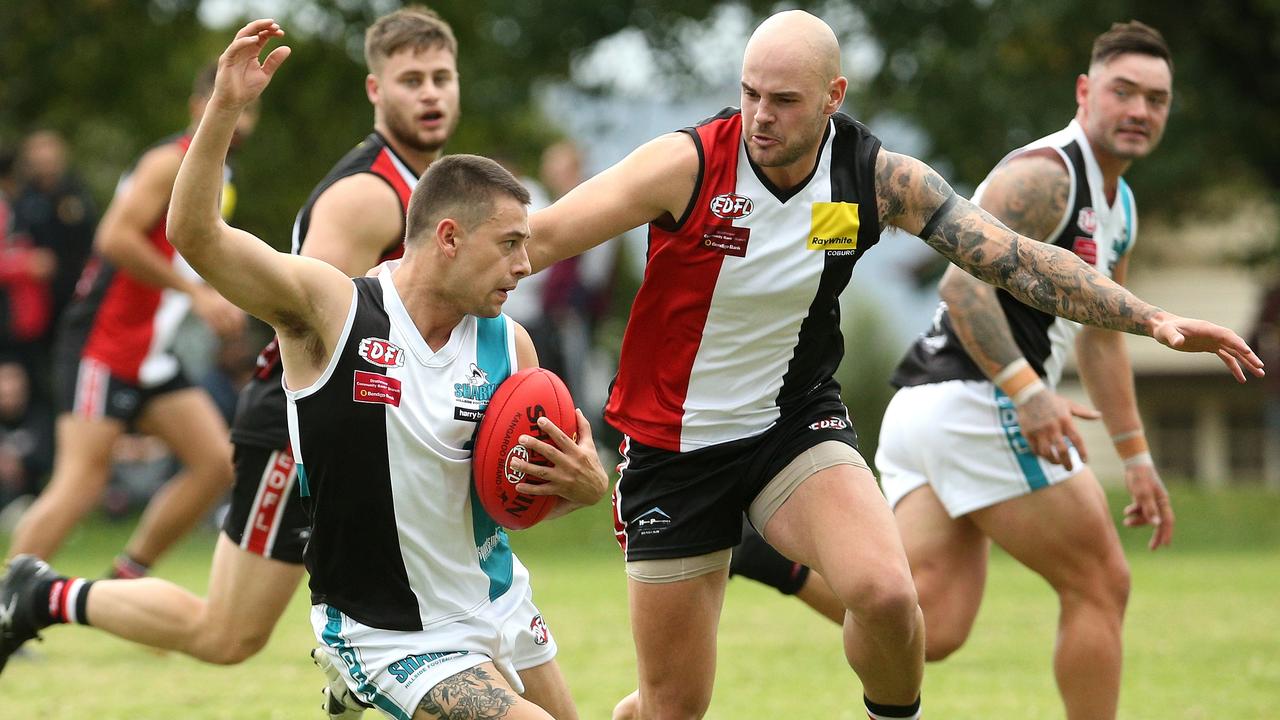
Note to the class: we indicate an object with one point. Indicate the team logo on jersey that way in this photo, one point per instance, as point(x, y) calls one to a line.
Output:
point(731, 206)
point(375, 388)
point(471, 394)
point(382, 353)
point(831, 423)
point(541, 635)
point(1086, 248)
point(726, 239)
point(834, 227)
point(1087, 220)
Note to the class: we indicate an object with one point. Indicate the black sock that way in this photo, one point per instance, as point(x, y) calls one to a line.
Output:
point(61, 600)
point(879, 711)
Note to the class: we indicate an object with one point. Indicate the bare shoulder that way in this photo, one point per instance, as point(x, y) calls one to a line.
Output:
point(1029, 194)
point(159, 165)
point(667, 170)
point(364, 192)
point(359, 213)
point(908, 191)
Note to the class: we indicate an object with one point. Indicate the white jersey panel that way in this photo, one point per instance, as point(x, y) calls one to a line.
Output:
point(759, 303)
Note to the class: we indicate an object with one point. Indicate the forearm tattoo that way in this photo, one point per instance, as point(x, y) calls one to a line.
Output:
point(1030, 196)
point(1043, 276)
point(468, 695)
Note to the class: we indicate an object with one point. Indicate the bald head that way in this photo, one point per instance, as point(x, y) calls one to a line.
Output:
point(794, 43)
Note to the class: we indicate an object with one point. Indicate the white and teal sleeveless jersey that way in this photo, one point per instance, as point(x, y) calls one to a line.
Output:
point(1099, 231)
point(383, 444)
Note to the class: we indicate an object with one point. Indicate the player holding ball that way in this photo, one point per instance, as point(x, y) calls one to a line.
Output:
point(415, 591)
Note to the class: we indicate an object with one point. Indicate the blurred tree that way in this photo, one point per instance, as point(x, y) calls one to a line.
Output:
point(984, 76)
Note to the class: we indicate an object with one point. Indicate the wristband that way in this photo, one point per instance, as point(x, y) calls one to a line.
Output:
point(1028, 392)
point(1142, 458)
point(1129, 444)
point(1019, 381)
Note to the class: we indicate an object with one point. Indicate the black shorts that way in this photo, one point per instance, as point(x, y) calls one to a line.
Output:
point(267, 516)
point(680, 504)
point(87, 388)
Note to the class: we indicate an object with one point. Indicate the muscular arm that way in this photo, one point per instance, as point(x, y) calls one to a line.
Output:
point(1042, 276)
point(353, 222)
point(1030, 197)
point(909, 194)
point(137, 207)
point(656, 179)
point(305, 300)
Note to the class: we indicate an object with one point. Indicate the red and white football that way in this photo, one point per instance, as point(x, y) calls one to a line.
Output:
point(514, 411)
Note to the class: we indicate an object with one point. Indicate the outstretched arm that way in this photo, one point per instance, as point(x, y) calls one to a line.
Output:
point(911, 196)
point(1030, 196)
point(657, 179)
point(304, 299)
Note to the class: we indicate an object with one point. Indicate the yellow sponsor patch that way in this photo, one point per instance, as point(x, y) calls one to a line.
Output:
point(228, 200)
point(834, 226)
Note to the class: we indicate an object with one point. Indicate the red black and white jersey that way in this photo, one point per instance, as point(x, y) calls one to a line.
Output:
point(1097, 229)
point(260, 412)
point(738, 317)
point(126, 324)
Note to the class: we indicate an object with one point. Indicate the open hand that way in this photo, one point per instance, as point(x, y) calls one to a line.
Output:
point(241, 78)
point(1191, 335)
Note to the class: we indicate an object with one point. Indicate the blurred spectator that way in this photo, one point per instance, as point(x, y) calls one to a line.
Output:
point(26, 434)
point(55, 210)
point(25, 272)
point(562, 305)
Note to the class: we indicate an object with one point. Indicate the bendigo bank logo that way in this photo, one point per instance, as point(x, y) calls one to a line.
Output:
point(381, 352)
point(834, 226)
point(731, 206)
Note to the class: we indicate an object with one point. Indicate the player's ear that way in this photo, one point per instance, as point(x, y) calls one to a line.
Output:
point(371, 88)
point(448, 235)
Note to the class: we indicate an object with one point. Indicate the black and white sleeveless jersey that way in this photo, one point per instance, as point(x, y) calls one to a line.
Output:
point(1098, 231)
point(383, 447)
point(738, 317)
point(260, 414)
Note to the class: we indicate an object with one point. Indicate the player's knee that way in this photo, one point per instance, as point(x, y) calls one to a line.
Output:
point(884, 602)
point(1104, 582)
point(233, 648)
point(675, 701)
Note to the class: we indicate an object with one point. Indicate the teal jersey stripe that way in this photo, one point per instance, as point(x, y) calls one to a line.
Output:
point(492, 546)
point(491, 348)
point(1126, 201)
point(367, 691)
point(303, 485)
point(1031, 470)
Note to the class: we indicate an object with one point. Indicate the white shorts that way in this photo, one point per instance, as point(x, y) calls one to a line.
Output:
point(962, 438)
point(393, 670)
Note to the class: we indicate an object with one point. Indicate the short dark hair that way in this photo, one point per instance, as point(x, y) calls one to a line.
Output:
point(1130, 37)
point(462, 187)
point(415, 27)
point(202, 86)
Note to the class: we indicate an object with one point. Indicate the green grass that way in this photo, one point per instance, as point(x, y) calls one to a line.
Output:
point(1202, 636)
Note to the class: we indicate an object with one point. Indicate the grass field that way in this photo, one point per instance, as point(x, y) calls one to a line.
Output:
point(1202, 637)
